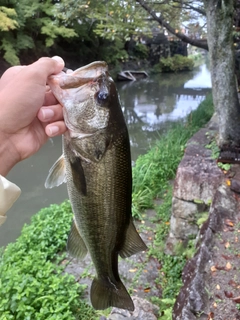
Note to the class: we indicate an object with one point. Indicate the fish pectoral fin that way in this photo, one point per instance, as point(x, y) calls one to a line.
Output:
point(133, 242)
point(57, 174)
point(104, 294)
point(75, 245)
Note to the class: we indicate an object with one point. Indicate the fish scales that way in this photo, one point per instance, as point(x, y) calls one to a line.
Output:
point(96, 164)
point(103, 197)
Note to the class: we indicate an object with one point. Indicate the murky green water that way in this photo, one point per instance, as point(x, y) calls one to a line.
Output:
point(149, 106)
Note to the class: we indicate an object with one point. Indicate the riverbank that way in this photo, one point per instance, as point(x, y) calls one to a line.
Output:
point(31, 268)
point(211, 279)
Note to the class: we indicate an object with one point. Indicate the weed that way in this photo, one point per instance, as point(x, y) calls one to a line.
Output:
point(210, 294)
point(214, 148)
point(166, 306)
point(203, 216)
point(224, 166)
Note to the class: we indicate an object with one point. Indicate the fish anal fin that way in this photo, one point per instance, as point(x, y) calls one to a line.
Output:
point(105, 294)
point(75, 245)
point(133, 242)
point(57, 174)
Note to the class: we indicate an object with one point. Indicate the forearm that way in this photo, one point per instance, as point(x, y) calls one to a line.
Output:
point(8, 156)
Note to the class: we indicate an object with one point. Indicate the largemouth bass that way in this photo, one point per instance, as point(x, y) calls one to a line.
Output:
point(96, 164)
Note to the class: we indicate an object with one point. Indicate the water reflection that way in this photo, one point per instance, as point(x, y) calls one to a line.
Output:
point(149, 107)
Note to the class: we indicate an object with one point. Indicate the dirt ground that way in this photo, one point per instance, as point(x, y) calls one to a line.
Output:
point(224, 274)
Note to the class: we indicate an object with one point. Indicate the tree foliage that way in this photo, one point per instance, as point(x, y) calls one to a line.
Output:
point(29, 27)
point(7, 19)
point(84, 26)
point(167, 13)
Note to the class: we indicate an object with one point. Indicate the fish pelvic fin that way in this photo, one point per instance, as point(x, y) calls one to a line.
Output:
point(105, 294)
point(57, 174)
point(133, 242)
point(75, 245)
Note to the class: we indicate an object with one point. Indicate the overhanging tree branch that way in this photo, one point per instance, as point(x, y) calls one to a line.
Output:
point(194, 42)
point(188, 5)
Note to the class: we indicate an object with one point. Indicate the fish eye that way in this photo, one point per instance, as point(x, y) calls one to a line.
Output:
point(102, 96)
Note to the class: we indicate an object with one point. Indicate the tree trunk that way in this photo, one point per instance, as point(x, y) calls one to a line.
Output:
point(222, 60)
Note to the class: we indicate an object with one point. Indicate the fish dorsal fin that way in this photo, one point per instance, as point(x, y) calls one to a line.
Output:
point(75, 245)
point(57, 174)
point(133, 242)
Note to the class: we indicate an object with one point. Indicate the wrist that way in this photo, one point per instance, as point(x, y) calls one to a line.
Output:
point(8, 156)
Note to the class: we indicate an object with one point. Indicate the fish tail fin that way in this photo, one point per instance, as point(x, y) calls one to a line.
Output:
point(105, 294)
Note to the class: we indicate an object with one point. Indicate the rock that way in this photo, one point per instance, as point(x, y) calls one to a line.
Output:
point(193, 300)
point(183, 218)
point(143, 310)
point(197, 176)
point(235, 185)
point(197, 179)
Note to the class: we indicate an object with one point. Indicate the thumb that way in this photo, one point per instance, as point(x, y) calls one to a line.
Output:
point(47, 66)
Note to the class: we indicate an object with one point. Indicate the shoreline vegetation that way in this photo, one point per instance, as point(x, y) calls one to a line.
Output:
point(32, 282)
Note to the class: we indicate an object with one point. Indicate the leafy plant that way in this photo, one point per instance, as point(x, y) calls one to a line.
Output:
point(203, 216)
point(30, 27)
point(174, 64)
point(32, 285)
point(140, 51)
point(224, 166)
point(112, 51)
point(214, 148)
point(166, 306)
point(7, 19)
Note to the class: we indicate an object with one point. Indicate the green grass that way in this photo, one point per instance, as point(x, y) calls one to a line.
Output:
point(154, 169)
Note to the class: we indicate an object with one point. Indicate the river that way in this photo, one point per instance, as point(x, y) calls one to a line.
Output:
point(149, 105)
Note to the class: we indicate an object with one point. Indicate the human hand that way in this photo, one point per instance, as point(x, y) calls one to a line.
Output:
point(29, 113)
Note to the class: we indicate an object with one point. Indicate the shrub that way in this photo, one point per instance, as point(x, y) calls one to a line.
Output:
point(32, 285)
point(112, 52)
point(174, 64)
point(140, 51)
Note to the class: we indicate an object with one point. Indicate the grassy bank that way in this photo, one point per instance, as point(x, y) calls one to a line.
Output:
point(151, 176)
point(153, 170)
point(32, 284)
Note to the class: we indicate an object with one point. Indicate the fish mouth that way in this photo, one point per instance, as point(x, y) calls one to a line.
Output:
point(76, 88)
point(79, 77)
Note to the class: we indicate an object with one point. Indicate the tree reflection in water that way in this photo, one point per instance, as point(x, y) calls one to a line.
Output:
point(151, 105)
